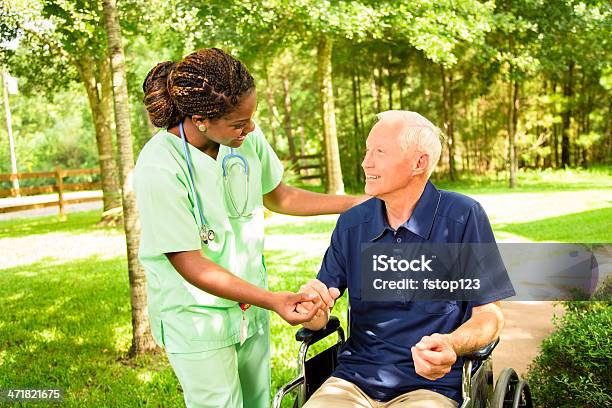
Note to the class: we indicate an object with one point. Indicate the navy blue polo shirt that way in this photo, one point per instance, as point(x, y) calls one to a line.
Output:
point(377, 356)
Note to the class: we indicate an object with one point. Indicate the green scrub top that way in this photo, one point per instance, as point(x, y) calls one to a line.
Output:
point(185, 319)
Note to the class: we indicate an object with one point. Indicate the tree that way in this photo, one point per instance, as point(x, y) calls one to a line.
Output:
point(142, 340)
point(58, 35)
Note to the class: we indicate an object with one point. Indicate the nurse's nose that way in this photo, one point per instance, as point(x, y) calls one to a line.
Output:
point(249, 128)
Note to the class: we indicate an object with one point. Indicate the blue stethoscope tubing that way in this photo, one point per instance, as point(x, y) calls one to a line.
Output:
point(206, 234)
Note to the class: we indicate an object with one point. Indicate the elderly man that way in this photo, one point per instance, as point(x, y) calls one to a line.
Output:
point(402, 354)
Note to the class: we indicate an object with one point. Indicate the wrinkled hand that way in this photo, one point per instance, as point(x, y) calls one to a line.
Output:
point(433, 356)
point(326, 296)
point(285, 304)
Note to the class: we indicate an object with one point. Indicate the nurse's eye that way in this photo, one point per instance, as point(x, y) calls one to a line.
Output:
point(242, 126)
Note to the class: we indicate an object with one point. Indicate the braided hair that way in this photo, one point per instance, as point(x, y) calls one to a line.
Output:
point(208, 82)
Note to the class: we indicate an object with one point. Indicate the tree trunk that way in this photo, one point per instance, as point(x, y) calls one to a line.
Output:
point(333, 181)
point(376, 91)
point(447, 106)
point(287, 121)
point(400, 86)
point(512, 123)
point(142, 340)
point(356, 132)
point(99, 104)
point(361, 126)
point(271, 106)
point(390, 79)
point(568, 93)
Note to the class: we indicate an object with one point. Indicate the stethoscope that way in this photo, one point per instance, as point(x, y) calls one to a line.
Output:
point(206, 233)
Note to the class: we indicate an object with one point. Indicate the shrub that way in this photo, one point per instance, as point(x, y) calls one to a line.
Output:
point(573, 367)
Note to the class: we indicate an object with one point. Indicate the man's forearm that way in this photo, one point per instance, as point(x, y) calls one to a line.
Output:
point(481, 329)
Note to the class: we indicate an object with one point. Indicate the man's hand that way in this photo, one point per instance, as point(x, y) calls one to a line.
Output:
point(286, 303)
point(433, 356)
point(327, 296)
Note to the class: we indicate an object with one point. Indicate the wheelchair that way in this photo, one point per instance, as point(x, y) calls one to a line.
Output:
point(476, 386)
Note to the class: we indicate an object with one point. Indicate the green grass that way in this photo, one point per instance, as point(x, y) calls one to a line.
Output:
point(67, 324)
point(532, 181)
point(592, 226)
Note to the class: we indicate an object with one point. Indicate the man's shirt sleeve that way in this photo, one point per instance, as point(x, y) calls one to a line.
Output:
point(334, 267)
point(486, 263)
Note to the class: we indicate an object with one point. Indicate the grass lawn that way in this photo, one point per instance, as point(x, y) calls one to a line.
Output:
point(66, 322)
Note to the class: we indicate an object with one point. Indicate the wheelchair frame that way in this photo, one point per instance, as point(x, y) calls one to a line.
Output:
point(477, 387)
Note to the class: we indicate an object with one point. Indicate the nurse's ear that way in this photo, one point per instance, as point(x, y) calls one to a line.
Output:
point(200, 122)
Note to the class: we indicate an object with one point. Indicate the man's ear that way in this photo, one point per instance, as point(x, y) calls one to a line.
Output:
point(422, 164)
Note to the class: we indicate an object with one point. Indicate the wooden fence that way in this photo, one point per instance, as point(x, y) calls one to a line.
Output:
point(58, 186)
point(309, 162)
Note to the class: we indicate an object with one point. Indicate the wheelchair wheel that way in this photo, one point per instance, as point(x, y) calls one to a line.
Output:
point(505, 389)
point(522, 396)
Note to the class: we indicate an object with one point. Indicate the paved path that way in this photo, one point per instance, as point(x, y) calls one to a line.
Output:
point(527, 324)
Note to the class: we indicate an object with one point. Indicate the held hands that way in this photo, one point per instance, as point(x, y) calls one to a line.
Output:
point(326, 297)
point(433, 356)
point(285, 304)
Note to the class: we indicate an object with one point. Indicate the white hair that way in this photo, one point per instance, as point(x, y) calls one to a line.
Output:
point(417, 130)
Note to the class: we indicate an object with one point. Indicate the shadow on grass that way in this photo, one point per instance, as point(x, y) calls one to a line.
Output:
point(67, 325)
point(75, 223)
point(289, 270)
point(591, 226)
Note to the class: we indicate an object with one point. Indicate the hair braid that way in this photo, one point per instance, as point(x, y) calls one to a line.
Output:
point(208, 82)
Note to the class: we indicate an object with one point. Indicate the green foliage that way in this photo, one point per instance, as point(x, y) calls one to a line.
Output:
point(387, 55)
point(572, 369)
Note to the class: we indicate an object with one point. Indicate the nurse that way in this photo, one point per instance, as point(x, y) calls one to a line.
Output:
point(201, 185)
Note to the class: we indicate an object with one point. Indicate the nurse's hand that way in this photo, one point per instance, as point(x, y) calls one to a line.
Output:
point(286, 303)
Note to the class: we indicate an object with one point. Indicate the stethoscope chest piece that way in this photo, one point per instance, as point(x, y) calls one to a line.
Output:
point(206, 235)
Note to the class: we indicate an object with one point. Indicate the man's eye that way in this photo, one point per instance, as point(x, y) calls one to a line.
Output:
point(239, 126)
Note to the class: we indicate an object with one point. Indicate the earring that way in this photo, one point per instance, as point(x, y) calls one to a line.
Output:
point(202, 128)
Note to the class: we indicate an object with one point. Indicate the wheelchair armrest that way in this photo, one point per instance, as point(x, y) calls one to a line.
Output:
point(310, 336)
point(483, 353)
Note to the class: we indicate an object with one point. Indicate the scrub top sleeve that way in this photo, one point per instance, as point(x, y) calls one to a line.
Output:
point(333, 267)
point(486, 259)
point(166, 213)
point(271, 166)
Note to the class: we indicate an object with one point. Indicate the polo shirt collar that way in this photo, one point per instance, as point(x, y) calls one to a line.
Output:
point(420, 222)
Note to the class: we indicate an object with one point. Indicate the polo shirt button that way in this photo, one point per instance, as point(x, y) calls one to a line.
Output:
point(399, 240)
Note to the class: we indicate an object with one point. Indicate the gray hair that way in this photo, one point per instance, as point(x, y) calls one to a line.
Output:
point(416, 129)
